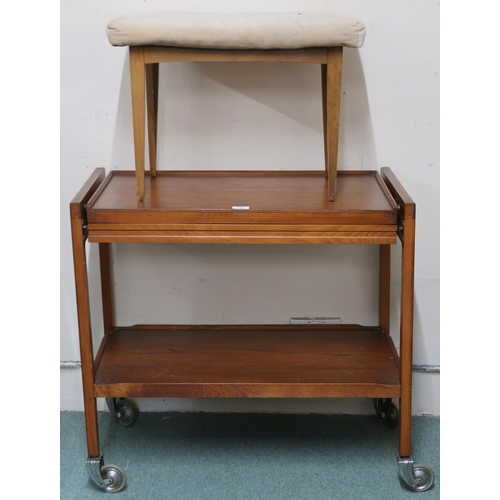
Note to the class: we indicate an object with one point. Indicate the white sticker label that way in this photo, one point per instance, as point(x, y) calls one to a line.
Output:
point(240, 208)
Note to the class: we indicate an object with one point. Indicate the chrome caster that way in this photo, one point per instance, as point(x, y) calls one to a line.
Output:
point(388, 411)
point(109, 478)
point(416, 477)
point(124, 410)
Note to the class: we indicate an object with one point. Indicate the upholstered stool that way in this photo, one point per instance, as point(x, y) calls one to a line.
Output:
point(299, 37)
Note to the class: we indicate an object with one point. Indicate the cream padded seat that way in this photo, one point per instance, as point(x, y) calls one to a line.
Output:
point(284, 30)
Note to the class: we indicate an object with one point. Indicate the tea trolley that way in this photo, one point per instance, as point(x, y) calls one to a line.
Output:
point(245, 361)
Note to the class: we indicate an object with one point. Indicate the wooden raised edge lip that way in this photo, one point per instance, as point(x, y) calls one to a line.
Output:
point(399, 193)
point(256, 172)
point(101, 188)
point(244, 326)
point(250, 390)
point(86, 192)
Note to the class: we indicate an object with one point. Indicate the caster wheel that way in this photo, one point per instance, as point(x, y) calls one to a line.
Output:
point(377, 403)
point(114, 478)
point(390, 414)
point(424, 478)
point(126, 412)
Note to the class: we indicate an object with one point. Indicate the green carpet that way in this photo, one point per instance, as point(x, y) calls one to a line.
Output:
point(208, 456)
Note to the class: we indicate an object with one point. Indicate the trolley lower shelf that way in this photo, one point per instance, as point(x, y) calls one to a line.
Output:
point(283, 361)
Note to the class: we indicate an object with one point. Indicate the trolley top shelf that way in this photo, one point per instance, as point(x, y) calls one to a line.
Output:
point(243, 207)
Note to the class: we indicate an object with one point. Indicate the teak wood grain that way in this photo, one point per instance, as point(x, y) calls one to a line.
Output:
point(152, 75)
point(78, 205)
point(138, 85)
point(78, 217)
point(259, 237)
point(332, 94)
point(156, 54)
point(107, 290)
point(406, 228)
point(384, 295)
point(248, 361)
point(280, 202)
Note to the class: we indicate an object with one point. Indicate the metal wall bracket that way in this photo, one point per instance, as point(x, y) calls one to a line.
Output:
point(85, 229)
point(401, 225)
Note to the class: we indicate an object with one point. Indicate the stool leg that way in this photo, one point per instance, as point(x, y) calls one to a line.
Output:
point(137, 83)
point(325, 114)
point(333, 85)
point(152, 98)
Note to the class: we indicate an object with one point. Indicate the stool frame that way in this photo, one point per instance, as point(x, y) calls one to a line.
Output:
point(144, 76)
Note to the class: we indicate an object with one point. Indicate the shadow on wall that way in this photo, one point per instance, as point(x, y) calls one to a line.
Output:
point(356, 142)
point(249, 115)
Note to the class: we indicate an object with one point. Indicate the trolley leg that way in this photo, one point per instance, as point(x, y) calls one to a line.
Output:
point(108, 309)
point(384, 304)
point(406, 333)
point(110, 478)
point(416, 477)
point(85, 332)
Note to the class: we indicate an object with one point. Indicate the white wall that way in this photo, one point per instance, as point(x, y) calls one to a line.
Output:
point(243, 116)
